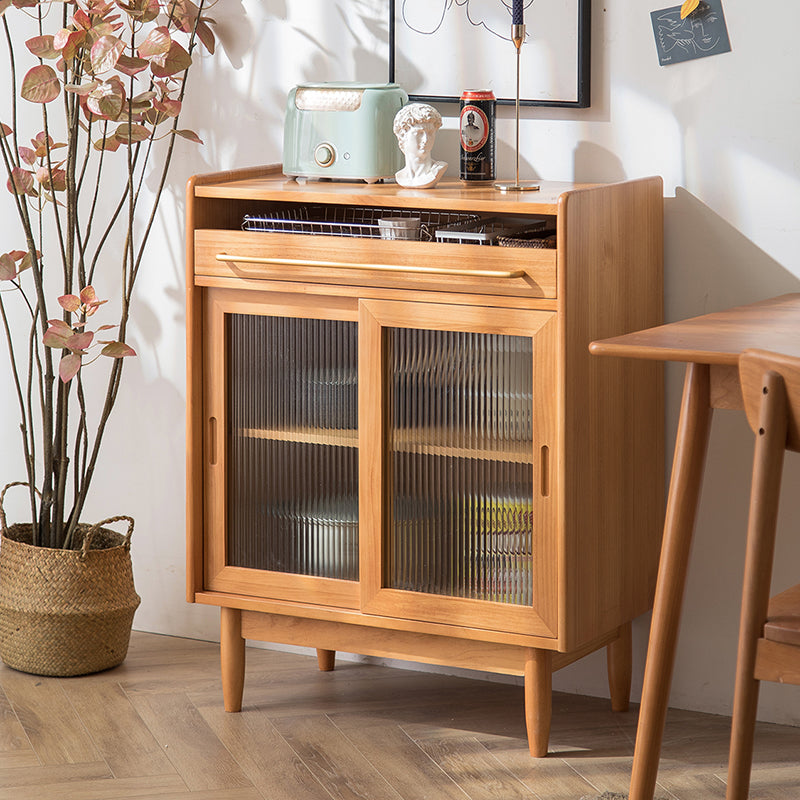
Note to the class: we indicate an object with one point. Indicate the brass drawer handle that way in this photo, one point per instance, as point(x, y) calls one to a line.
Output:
point(295, 262)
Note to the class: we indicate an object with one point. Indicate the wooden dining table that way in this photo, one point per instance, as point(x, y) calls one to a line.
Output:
point(710, 345)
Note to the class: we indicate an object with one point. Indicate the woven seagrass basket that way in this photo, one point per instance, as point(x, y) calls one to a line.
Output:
point(66, 612)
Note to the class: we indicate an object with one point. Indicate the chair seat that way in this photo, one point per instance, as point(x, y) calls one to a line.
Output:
point(783, 617)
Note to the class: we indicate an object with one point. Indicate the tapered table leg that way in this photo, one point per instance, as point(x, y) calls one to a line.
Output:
point(232, 658)
point(684, 493)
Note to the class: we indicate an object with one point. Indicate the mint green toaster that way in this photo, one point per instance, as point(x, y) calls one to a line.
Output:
point(342, 131)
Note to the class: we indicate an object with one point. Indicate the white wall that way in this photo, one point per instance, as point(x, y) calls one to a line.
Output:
point(720, 130)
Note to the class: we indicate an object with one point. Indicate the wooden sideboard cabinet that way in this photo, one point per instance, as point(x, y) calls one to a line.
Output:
point(404, 448)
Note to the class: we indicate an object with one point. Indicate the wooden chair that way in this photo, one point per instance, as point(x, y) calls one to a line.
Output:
point(769, 633)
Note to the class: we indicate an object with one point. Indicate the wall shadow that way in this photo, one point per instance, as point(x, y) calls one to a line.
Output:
point(711, 265)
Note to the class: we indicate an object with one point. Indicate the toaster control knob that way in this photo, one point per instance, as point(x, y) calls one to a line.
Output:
point(324, 155)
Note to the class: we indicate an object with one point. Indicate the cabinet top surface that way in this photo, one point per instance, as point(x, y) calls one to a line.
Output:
point(272, 185)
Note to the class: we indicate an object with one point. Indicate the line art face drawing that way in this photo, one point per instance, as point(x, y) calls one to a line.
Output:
point(702, 33)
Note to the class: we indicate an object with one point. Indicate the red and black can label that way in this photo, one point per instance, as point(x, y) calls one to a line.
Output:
point(476, 132)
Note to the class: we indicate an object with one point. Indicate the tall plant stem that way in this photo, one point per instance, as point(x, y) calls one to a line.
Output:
point(13, 73)
point(88, 473)
point(60, 457)
point(170, 148)
point(24, 430)
point(40, 527)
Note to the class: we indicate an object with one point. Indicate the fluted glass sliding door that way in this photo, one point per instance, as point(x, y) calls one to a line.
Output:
point(286, 425)
point(460, 412)
point(465, 438)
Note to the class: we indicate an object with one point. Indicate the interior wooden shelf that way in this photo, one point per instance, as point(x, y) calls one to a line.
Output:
point(427, 443)
point(405, 441)
point(329, 437)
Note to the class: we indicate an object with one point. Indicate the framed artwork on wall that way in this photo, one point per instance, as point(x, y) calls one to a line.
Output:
point(439, 48)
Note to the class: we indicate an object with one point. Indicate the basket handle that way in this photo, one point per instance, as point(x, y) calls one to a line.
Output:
point(87, 539)
point(3, 525)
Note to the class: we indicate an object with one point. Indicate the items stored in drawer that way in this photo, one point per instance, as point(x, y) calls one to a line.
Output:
point(489, 230)
point(371, 222)
point(353, 221)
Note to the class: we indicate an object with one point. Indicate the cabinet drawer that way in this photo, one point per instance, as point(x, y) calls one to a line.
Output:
point(434, 266)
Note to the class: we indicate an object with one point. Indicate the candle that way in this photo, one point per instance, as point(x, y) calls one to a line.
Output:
point(516, 13)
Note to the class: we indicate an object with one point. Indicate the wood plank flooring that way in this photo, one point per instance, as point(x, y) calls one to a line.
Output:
point(155, 728)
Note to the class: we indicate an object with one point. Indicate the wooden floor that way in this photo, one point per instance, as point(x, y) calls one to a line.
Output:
point(155, 728)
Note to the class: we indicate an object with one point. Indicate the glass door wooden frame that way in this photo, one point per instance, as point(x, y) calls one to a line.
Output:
point(219, 575)
point(375, 317)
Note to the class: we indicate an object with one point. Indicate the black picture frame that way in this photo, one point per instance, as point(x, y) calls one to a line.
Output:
point(451, 93)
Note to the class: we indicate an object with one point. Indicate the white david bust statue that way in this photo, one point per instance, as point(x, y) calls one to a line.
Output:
point(415, 127)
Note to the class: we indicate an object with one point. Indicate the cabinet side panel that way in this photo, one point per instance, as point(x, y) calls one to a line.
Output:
point(194, 407)
point(610, 282)
point(201, 213)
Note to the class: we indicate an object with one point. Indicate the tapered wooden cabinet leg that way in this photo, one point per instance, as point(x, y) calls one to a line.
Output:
point(538, 699)
point(326, 659)
point(619, 657)
point(232, 658)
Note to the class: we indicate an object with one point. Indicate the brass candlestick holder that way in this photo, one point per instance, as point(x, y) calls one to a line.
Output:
point(517, 37)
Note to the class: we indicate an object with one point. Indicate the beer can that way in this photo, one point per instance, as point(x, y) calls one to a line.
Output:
point(476, 132)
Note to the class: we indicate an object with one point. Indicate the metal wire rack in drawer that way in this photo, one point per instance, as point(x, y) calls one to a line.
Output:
point(357, 221)
point(489, 229)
